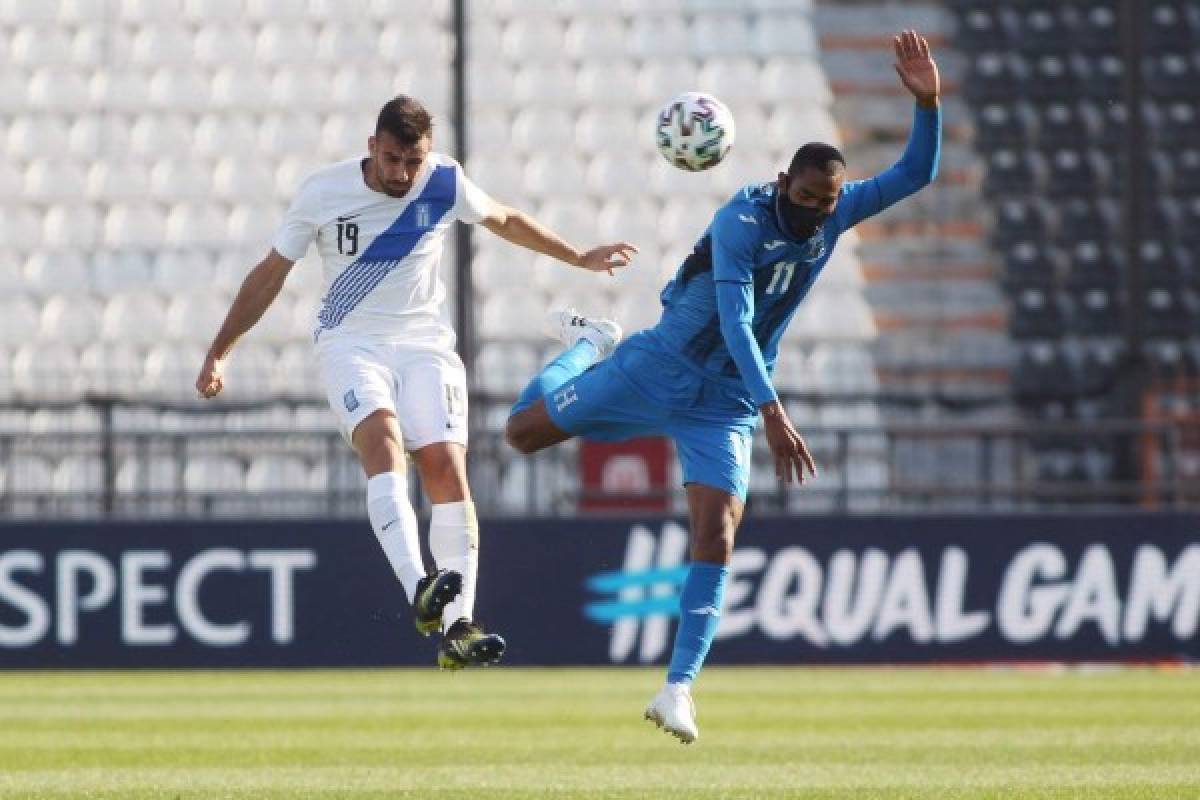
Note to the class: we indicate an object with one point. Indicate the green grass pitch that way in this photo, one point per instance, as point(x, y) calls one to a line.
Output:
point(512, 733)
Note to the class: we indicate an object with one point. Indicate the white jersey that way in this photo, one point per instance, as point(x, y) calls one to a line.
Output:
point(381, 254)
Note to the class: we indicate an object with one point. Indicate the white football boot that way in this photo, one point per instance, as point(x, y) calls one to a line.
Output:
point(569, 327)
point(673, 710)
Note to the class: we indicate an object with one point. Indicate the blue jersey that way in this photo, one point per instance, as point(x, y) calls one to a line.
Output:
point(731, 334)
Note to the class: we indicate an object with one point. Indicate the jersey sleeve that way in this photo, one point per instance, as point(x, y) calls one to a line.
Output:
point(735, 234)
point(471, 204)
point(916, 169)
point(300, 222)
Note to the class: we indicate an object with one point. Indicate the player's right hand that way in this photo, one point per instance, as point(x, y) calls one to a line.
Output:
point(212, 377)
point(790, 451)
point(607, 257)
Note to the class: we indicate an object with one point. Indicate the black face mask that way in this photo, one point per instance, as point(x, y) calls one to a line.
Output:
point(799, 222)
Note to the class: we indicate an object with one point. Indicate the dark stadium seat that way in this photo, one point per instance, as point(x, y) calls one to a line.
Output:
point(1175, 123)
point(1169, 310)
point(1170, 74)
point(1062, 122)
point(1037, 313)
point(1043, 374)
point(1030, 262)
point(1095, 311)
point(1162, 261)
point(1095, 26)
point(1087, 218)
point(1094, 263)
point(1170, 25)
point(1001, 124)
point(1012, 171)
point(994, 76)
point(1018, 218)
point(1040, 28)
point(1185, 172)
point(1113, 117)
point(980, 27)
point(1100, 365)
point(1075, 171)
point(1101, 77)
point(1051, 77)
point(1169, 360)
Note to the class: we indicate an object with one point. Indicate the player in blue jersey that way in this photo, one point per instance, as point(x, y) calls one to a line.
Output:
point(702, 375)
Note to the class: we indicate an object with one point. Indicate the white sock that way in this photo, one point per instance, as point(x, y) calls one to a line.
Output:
point(395, 525)
point(454, 543)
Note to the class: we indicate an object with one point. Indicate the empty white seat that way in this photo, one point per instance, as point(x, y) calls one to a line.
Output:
point(179, 271)
point(268, 10)
point(792, 126)
point(217, 135)
point(176, 89)
point(534, 40)
point(505, 368)
point(612, 130)
point(339, 43)
point(134, 225)
point(31, 136)
point(572, 217)
point(301, 86)
point(277, 473)
point(122, 90)
point(734, 80)
point(212, 11)
point(113, 368)
point(278, 325)
point(597, 38)
point(220, 46)
point(18, 319)
point(41, 45)
point(20, 12)
point(196, 225)
point(720, 34)
point(240, 89)
point(53, 179)
point(610, 85)
point(655, 36)
point(798, 80)
point(28, 473)
point(844, 368)
point(47, 370)
point(88, 47)
point(251, 369)
point(835, 315)
point(629, 219)
point(166, 45)
point(355, 82)
point(491, 83)
point(79, 475)
point(280, 134)
point(72, 224)
point(116, 180)
point(543, 85)
point(171, 369)
point(636, 312)
point(617, 175)
point(555, 174)
point(57, 272)
point(194, 317)
point(544, 130)
point(784, 34)
point(120, 271)
point(181, 180)
point(12, 275)
point(14, 91)
point(154, 474)
point(284, 42)
point(91, 134)
point(74, 320)
point(12, 180)
point(411, 41)
point(213, 474)
point(343, 136)
point(514, 314)
point(252, 224)
point(134, 317)
point(659, 81)
point(60, 89)
point(243, 178)
point(21, 229)
point(149, 10)
point(502, 178)
point(296, 372)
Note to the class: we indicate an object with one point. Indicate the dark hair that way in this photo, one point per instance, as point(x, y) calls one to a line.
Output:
point(817, 155)
point(405, 118)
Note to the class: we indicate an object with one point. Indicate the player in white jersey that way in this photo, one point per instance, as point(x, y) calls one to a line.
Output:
point(386, 352)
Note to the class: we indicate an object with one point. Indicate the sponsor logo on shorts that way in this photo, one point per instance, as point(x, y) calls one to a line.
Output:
point(565, 397)
point(350, 400)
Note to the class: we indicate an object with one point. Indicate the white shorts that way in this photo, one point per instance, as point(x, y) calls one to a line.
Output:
point(425, 388)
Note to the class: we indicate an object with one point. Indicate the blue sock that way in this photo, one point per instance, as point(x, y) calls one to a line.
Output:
point(569, 364)
point(703, 592)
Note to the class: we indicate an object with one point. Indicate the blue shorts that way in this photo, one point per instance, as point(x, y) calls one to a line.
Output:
point(642, 390)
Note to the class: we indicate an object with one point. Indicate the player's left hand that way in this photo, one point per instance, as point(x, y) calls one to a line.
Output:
point(916, 67)
point(607, 257)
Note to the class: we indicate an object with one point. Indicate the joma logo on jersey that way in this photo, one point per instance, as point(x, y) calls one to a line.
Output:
point(565, 397)
point(424, 218)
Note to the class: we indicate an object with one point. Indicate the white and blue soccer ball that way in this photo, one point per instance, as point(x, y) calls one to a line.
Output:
point(695, 131)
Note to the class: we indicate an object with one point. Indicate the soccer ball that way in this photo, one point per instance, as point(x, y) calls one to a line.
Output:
point(695, 131)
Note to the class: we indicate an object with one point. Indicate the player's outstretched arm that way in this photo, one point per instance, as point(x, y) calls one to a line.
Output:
point(258, 291)
point(523, 230)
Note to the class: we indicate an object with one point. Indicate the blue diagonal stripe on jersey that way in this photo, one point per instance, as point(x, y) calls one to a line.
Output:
point(388, 249)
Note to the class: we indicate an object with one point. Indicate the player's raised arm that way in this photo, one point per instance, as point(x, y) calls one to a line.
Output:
point(918, 165)
point(258, 291)
point(521, 229)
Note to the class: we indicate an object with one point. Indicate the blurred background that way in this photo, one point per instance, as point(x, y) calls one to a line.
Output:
point(1024, 335)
